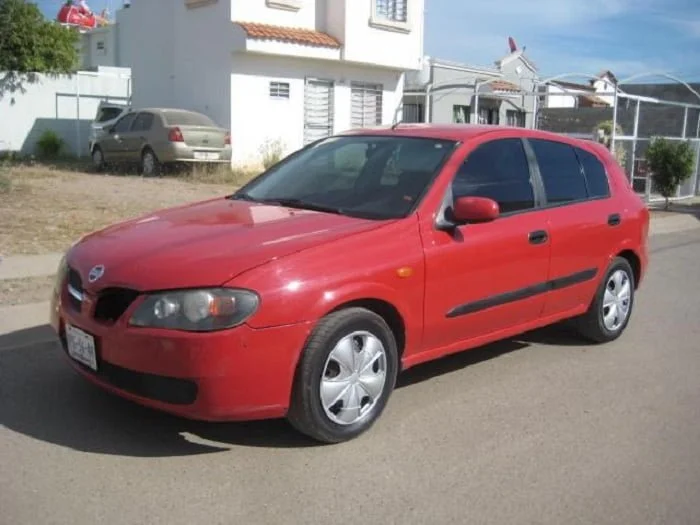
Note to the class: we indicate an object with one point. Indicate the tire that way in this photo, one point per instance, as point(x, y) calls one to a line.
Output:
point(592, 325)
point(98, 159)
point(358, 330)
point(150, 166)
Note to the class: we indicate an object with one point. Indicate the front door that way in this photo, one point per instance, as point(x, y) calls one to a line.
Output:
point(318, 110)
point(485, 278)
point(113, 145)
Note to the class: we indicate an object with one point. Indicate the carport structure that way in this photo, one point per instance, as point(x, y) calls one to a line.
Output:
point(636, 119)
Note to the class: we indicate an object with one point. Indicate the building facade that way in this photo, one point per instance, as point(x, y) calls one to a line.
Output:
point(450, 92)
point(272, 71)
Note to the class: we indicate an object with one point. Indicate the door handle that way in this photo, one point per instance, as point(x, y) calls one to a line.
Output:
point(538, 237)
point(614, 219)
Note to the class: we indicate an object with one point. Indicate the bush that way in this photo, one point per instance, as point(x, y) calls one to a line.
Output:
point(272, 152)
point(671, 163)
point(49, 145)
point(5, 180)
point(603, 133)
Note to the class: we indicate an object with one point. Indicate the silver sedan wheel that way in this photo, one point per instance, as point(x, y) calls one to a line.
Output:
point(149, 163)
point(353, 378)
point(617, 300)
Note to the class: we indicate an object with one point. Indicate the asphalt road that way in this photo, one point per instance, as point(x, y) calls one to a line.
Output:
point(540, 430)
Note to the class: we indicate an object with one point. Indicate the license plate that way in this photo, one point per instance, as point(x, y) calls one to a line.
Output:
point(206, 155)
point(81, 346)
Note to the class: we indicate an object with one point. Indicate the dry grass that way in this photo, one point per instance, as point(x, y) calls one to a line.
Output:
point(44, 209)
point(25, 291)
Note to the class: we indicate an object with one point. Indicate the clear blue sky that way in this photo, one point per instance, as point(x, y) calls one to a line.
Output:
point(561, 36)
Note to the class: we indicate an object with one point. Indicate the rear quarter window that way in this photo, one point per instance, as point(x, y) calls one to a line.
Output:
point(186, 118)
point(560, 170)
point(595, 173)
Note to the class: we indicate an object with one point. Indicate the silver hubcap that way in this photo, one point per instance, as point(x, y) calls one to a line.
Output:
point(617, 299)
point(148, 163)
point(353, 378)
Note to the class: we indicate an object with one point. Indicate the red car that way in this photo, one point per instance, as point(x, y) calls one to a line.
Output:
point(305, 293)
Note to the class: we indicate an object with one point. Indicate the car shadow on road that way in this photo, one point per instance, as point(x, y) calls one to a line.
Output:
point(43, 398)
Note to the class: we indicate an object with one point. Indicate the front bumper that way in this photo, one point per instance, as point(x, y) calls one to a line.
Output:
point(233, 375)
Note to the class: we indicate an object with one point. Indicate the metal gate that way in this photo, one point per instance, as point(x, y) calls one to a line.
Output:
point(366, 104)
point(318, 109)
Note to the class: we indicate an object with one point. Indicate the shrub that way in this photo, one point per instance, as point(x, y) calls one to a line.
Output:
point(603, 133)
point(49, 145)
point(671, 163)
point(271, 152)
point(5, 180)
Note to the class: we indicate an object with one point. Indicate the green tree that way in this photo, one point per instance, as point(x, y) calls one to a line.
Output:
point(671, 163)
point(30, 44)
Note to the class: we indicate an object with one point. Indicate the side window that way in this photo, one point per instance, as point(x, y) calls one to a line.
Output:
point(143, 122)
point(123, 124)
point(498, 170)
point(596, 176)
point(561, 172)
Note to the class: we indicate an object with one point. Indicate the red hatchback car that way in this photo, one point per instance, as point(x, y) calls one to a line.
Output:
point(305, 293)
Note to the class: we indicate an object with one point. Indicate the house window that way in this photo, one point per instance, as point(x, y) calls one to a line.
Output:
point(392, 10)
point(413, 113)
point(515, 118)
point(366, 104)
point(279, 90)
point(290, 5)
point(461, 114)
point(488, 116)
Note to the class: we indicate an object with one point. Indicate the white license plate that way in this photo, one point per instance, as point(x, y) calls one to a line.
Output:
point(81, 346)
point(206, 155)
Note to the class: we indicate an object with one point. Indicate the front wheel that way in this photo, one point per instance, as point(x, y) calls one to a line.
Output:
point(98, 159)
point(345, 377)
point(611, 309)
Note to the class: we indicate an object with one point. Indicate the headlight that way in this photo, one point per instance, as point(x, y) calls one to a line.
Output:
point(196, 310)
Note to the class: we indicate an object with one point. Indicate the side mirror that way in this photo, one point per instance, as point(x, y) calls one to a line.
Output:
point(475, 209)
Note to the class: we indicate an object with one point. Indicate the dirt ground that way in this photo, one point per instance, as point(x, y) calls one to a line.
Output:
point(45, 209)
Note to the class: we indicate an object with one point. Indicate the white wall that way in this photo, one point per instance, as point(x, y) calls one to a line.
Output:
point(369, 44)
point(259, 11)
point(100, 47)
point(180, 56)
point(557, 99)
point(256, 118)
point(603, 85)
point(66, 105)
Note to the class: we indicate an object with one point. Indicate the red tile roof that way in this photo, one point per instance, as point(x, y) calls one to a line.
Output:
point(504, 85)
point(294, 35)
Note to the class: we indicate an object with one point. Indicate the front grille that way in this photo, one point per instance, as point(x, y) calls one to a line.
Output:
point(112, 303)
point(75, 284)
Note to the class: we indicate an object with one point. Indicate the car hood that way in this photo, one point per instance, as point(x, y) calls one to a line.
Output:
point(203, 244)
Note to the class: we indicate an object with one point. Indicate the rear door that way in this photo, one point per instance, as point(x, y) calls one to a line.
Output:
point(583, 221)
point(485, 278)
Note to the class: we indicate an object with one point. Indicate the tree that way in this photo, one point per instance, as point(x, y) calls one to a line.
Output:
point(30, 44)
point(671, 163)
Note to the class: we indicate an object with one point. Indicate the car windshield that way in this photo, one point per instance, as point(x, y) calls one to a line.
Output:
point(375, 177)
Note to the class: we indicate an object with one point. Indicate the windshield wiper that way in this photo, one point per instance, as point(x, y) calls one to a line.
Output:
point(243, 197)
point(304, 205)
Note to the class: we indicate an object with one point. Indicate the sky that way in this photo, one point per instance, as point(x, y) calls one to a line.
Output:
point(560, 36)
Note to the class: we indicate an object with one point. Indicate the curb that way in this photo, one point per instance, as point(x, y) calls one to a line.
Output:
point(27, 266)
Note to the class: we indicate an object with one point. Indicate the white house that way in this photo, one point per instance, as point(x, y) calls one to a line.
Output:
point(560, 94)
point(287, 70)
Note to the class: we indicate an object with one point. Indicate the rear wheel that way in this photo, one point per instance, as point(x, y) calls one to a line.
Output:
point(611, 309)
point(150, 166)
point(345, 377)
point(98, 159)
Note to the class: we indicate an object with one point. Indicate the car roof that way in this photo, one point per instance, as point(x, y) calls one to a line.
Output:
point(464, 132)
